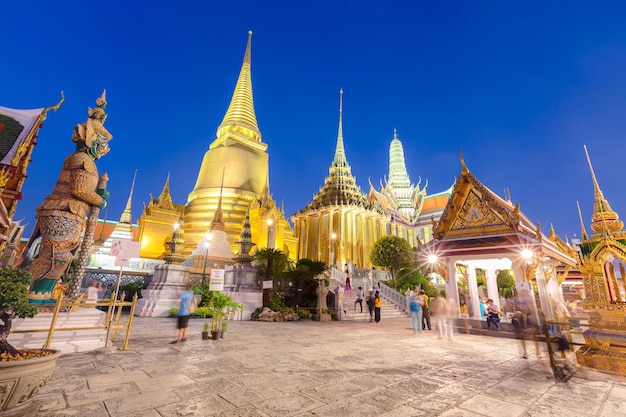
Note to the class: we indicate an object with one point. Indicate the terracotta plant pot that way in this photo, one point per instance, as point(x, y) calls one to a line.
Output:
point(21, 379)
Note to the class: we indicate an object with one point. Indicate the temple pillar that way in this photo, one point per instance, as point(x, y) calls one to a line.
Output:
point(492, 285)
point(542, 290)
point(473, 292)
point(452, 289)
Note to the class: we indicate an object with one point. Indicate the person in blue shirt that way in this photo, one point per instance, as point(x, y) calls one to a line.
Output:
point(183, 313)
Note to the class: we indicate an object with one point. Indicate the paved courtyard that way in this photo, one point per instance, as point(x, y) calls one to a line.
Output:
point(320, 369)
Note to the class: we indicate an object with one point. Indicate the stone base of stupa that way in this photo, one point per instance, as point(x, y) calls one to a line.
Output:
point(164, 291)
point(67, 341)
point(244, 284)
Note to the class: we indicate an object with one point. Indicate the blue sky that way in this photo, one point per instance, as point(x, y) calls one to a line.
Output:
point(519, 86)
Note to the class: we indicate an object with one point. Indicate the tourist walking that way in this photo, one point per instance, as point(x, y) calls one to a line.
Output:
point(425, 311)
point(370, 305)
point(183, 313)
point(377, 304)
point(441, 312)
point(359, 299)
point(493, 314)
point(415, 305)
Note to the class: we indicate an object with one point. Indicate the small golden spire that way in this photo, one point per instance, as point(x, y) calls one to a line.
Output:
point(583, 232)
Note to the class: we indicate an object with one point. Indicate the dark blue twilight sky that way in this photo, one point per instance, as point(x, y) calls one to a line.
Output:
point(520, 86)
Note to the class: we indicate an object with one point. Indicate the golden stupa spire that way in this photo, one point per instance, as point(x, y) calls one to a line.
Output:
point(340, 153)
point(604, 219)
point(218, 216)
point(126, 215)
point(240, 118)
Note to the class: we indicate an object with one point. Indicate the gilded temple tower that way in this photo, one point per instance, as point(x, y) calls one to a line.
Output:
point(238, 152)
point(338, 226)
point(602, 261)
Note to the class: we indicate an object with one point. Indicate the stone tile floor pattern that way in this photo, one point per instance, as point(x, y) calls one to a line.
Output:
point(320, 369)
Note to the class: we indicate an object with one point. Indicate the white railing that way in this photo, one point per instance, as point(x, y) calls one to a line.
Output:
point(394, 297)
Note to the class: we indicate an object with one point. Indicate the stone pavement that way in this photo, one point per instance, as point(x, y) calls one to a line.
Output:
point(320, 369)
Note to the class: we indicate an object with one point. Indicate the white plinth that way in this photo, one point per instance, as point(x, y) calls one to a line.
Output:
point(67, 341)
point(164, 291)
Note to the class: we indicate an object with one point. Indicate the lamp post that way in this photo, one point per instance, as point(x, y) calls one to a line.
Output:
point(269, 228)
point(207, 245)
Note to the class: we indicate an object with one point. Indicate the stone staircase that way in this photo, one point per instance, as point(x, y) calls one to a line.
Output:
point(387, 310)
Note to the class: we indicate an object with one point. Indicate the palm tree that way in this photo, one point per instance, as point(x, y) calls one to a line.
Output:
point(272, 262)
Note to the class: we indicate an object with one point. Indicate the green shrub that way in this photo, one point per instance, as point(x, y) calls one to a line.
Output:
point(202, 312)
point(304, 314)
point(277, 301)
point(132, 288)
point(173, 312)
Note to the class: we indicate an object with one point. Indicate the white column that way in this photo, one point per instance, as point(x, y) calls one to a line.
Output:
point(452, 289)
point(544, 297)
point(492, 286)
point(473, 292)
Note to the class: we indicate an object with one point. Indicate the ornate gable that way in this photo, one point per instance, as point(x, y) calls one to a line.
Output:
point(474, 210)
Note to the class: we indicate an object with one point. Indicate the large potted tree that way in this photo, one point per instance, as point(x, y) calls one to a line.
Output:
point(22, 372)
point(220, 305)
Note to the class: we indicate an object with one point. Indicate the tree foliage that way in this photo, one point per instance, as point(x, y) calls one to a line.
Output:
point(392, 253)
point(271, 261)
point(506, 282)
point(14, 303)
point(302, 277)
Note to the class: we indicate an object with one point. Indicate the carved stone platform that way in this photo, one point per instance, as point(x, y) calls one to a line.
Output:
point(67, 341)
point(164, 291)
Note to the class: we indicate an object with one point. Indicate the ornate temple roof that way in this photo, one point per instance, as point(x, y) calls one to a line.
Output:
point(340, 188)
point(475, 210)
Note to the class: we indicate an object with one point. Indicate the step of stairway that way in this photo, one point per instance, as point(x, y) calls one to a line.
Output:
point(387, 310)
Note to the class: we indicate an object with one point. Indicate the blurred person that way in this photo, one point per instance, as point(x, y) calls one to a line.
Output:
point(464, 312)
point(416, 307)
point(441, 313)
point(425, 310)
point(92, 292)
point(183, 313)
point(359, 299)
point(377, 304)
point(369, 300)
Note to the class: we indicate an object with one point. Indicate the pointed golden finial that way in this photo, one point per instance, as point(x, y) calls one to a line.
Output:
point(395, 134)
point(463, 166)
point(44, 113)
point(583, 232)
point(596, 188)
point(247, 56)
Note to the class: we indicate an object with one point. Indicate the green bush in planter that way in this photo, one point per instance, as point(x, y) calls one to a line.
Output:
point(14, 284)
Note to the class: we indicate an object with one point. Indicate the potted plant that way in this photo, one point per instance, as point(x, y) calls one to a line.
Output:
point(25, 371)
point(224, 328)
point(220, 305)
point(205, 331)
